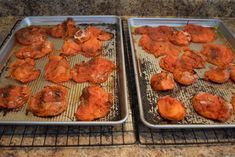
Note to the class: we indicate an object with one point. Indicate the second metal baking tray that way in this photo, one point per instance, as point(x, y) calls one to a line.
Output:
point(116, 84)
point(145, 65)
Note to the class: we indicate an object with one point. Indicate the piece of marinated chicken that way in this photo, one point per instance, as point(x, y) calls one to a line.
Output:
point(23, 70)
point(170, 108)
point(180, 38)
point(31, 35)
point(91, 39)
point(92, 47)
point(211, 106)
point(160, 33)
point(95, 103)
point(184, 76)
point(219, 55)
point(200, 34)
point(158, 48)
point(217, 75)
point(232, 72)
point(70, 48)
point(57, 69)
point(14, 97)
point(35, 51)
point(190, 60)
point(168, 63)
point(50, 101)
point(67, 29)
point(162, 81)
point(96, 70)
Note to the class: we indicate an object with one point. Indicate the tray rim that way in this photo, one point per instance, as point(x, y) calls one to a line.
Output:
point(122, 66)
point(137, 82)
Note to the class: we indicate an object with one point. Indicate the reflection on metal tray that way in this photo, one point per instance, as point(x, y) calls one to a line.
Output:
point(116, 84)
point(146, 64)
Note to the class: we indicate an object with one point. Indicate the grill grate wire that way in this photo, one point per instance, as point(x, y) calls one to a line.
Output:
point(128, 133)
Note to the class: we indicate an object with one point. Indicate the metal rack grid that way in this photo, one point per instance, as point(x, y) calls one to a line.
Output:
point(49, 136)
point(150, 136)
point(128, 133)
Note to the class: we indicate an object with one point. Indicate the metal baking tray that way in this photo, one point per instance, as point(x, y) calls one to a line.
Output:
point(116, 84)
point(146, 64)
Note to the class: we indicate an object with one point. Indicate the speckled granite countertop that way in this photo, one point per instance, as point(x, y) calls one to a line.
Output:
point(132, 150)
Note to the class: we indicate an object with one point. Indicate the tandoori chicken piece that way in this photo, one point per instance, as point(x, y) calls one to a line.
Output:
point(35, 51)
point(57, 69)
point(13, 97)
point(92, 47)
point(50, 101)
point(160, 33)
point(180, 38)
point(168, 63)
point(96, 70)
point(200, 34)
point(162, 81)
point(70, 48)
point(232, 73)
point(211, 106)
point(219, 55)
point(142, 30)
point(184, 76)
point(82, 36)
point(170, 108)
point(23, 70)
point(105, 36)
point(158, 48)
point(66, 29)
point(191, 60)
point(92, 31)
point(31, 35)
point(95, 103)
point(217, 75)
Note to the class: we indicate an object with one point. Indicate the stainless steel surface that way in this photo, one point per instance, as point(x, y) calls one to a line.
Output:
point(146, 64)
point(116, 84)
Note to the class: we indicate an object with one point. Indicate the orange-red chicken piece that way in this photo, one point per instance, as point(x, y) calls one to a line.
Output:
point(92, 47)
point(190, 60)
point(160, 33)
point(219, 55)
point(170, 108)
point(31, 35)
point(50, 101)
point(23, 70)
point(70, 48)
point(12, 97)
point(168, 63)
point(232, 73)
point(217, 75)
point(35, 51)
point(184, 76)
point(211, 106)
point(64, 30)
point(200, 34)
point(94, 103)
point(158, 48)
point(180, 38)
point(142, 30)
point(97, 70)
point(162, 81)
point(57, 69)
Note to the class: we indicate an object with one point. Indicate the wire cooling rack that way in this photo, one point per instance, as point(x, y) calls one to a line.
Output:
point(128, 133)
point(28, 136)
point(149, 136)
